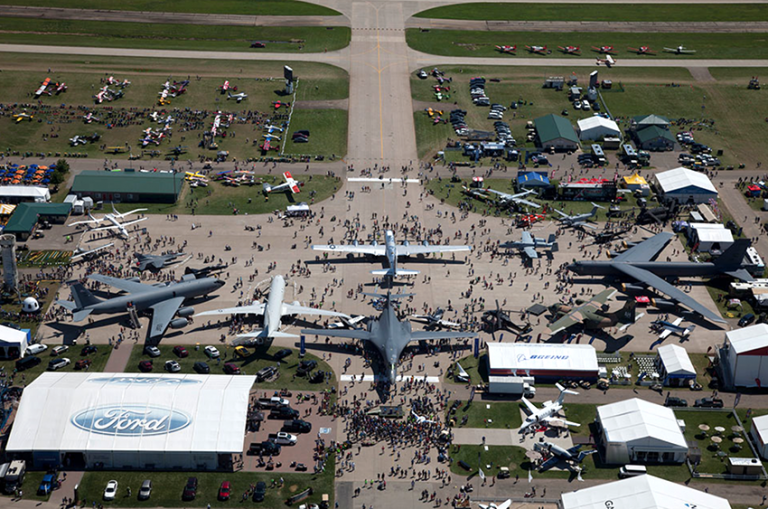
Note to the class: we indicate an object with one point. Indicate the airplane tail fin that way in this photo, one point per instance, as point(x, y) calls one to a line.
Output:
point(82, 296)
point(584, 454)
point(733, 257)
point(563, 392)
point(394, 272)
point(627, 315)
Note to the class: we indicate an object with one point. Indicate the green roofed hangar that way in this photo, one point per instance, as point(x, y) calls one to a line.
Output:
point(27, 215)
point(555, 132)
point(129, 186)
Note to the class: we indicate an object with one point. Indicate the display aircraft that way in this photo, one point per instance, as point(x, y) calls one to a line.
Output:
point(420, 419)
point(570, 50)
point(273, 310)
point(667, 328)
point(267, 146)
point(680, 50)
point(226, 87)
point(87, 254)
point(507, 49)
point(541, 50)
point(113, 218)
point(579, 220)
point(547, 413)
point(500, 319)
point(593, 314)
point(101, 95)
point(154, 263)
point(642, 50)
point(528, 244)
point(462, 375)
point(388, 334)
point(435, 320)
point(555, 454)
point(20, 117)
point(273, 128)
point(280, 104)
point(508, 200)
point(609, 61)
point(43, 87)
point(238, 97)
point(604, 50)
point(504, 505)
point(163, 299)
point(609, 235)
point(289, 185)
point(269, 136)
point(636, 263)
point(60, 87)
point(391, 251)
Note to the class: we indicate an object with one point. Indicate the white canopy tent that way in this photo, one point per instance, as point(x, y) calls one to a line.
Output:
point(675, 364)
point(744, 356)
point(122, 420)
point(13, 342)
point(596, 128)
point(25, 193)
point(685, 186)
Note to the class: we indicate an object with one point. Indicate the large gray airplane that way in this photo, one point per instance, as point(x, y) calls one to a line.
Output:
point(579, 220)
point(389, 335)
point(637, 263)
point(528, 244)
point(164, 300)
point(154, 263)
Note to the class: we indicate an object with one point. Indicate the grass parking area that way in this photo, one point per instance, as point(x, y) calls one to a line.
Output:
point(242, 7)
point(328, 133)
point(485, 414)
point(597, 12)
point(168, 486)
point(112, 34)
point(259, 358)
point(23, 378)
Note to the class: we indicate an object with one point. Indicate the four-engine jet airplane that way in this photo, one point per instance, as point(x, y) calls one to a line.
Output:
point(238, 97)
point(669, 328)
point(529, 244)
point(273, 311)
point(593, 314)
point(636, 263)
point(388, 334)
point(548, 412)
point(289, 185)
point(557, 454)
point(390, 250)
point(508, 200)
point(154, 263)
point(113, 218)
point(579, 220)
point(163, 299)
point(680, 50)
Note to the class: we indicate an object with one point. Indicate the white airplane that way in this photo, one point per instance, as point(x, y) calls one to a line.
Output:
point(435, 320)
point(420, 419)
point(548, 412)
point(462, 375)
point(273, 310)
point(289, 184)
point(680, 50)
point(239, 97)
point(673, 328)
point(101, 95)
point(80, 253)
point(508, 199)
point(269, 136)
point(503, 505)
point(272, 128)
point(609, 61)
point(113, 218)
point(390, 250)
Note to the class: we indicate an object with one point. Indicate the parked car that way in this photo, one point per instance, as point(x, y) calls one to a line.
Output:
point(152, 351)
point(172, 366)
point(231, 369)
point(146, 490)
point(110, 491)
point(36, 348)
point(284, 412)
point(28, 362)
point(83, 364)
point(266, 373)
point(57, 350)
point(180, 351)
point(283, 438)
point(305, 367)
point(46, 485)
point(746, 319)
point(212, 352)
point(224, 490)
point(88, 350)
point(297, 426)
point(242, 351)
point(675, 401)
point(709, 403)
point(145, 366)
point(260, 491)
point(202, 368)
point(56, 364)
point(190, 489)
point(266, 448)
point(282, 354)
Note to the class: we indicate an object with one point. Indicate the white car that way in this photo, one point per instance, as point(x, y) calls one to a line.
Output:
point(284, 438)
point(152, 351)
point(110, 491)
point(36, 348)
point(212, 352)
point(59, 349)
point(585, 105)
point(577, 105)
point(172, 366)
point(56, 364)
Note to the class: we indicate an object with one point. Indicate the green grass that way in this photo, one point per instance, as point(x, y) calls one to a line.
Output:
point(32, 480)
point(167, 487)
point(242, 7)
point(13, 305)
point(477, 369)
point(172, 36)
point(23, 378)
point(483, 414)
point(260, 357)
point(598, 12)
point(477, 43)
point(496, 455)
point(719, 291)
point(328, 133)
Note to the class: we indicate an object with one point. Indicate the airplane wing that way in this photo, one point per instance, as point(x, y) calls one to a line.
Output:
point(350, 334)
point(87, 221)
point(421, 335)
point(558, 419)
point(129, 223)
point(659, 284)
point(505, 504)
point(90, 252)
point(417, 250)
point(530, 252)
point(741, 274)
point(604, 296)
point(646, 250)
point(563, 323)
point(367, 249)
point(162, 314)
point(527, 237)
point(574, 316)
point(678, 321)
point(562, 214)
point(526, 202)
point(132, 212)
point(295, 309)
point(123, 284)
point(256, 308)
point(550, 463)
point(531, 407)
point(665, 333)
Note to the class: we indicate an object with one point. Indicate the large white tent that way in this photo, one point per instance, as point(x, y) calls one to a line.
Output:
point(13, 342)
point(642, 492)
point(675, 365)
point(636, 430)
point(685, 186)
point(542, 361)
point(596, 128)
point(122, 420)
point(744, 356)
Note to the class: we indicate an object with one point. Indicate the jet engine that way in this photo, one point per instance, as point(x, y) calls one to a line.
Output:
point(185, 312)
point(178, 323)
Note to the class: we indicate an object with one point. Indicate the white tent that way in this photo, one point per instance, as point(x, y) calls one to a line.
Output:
point(542, 361)
point(675, 365)
point(759, 434)
point(744, 357)
point(25, 193)
point(596, 128)
point(641, 492)
point(13, 342)
point(685, 186)
point(122, 420)
point(636, 430)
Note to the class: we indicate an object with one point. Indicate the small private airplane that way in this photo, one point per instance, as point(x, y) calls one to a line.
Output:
point(20, 117)
point(507, 49)
point(43, 87)
point(420, 419)
point(548, 413)
point(570, 50)
point(435, 320)
point(226, 87)
point(540, 50)
point(680, 50)
point(609, 61)
point(642, 50)
point(669, 328)
point(604, 50)
point(554, 454)
point(238, 97)
point(289, 185)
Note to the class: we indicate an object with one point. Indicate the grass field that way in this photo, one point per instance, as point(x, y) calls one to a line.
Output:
point(259, 358)
point(243, 7)
point(167, 487)
point(23, 378)
point(598, 12)
point(328, 133)
point(483, 414)
point(109, 34)
point(711, 463)
point(476, 43)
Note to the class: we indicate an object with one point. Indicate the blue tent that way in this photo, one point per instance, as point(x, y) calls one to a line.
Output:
point(532, 179)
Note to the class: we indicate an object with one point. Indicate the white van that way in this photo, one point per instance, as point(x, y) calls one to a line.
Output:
point(632, 471)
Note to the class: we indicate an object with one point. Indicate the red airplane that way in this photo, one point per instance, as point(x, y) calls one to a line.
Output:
point(643, 50)
point(60, 87)
point(570, 50)
point(278, 104)
point(529, 219)
point(227, 87)
point(267, 146)
point(606, 50)
point(507, 49)
point(541, 50)
point(441, 88)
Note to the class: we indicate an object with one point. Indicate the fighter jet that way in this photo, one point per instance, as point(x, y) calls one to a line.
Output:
point(499, 319)
point(557, 454)
point(205, 271)
point(164, 300)
point(435, 320)
point(594, 314)
point(548, 412)
point(667, 329)
point(529, 243)
point(579, 220)
point(636, 263)
point(507, 200)
point(273, 311)
point(388, 334)
point(80, 253)
point(390, 250)
point(154, 263)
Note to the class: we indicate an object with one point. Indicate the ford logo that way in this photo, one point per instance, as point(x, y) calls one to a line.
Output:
point(131, 420)
point(145, 380)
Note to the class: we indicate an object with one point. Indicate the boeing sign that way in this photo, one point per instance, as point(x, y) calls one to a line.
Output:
point(522, 357)
point(142, 380)
point(131, 420)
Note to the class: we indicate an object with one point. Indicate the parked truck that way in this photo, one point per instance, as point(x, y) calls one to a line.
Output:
point(272, 402)
point(14, 477)
point(516, 385)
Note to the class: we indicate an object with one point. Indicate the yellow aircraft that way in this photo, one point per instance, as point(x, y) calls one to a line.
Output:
point(19, 117)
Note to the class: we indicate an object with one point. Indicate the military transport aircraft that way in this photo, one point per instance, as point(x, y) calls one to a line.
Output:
point(528, 244)
point(593, 314)
point(579, 220)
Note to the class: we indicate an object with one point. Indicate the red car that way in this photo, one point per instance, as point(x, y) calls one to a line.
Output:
point(231, 369)
point(180, 351)
point(82, 364)
point(145, 366)
point(224, 491)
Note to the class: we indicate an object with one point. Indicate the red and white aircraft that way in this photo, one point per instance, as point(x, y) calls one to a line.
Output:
point(102, 95)
point(43, 86)
point(60, 87)
point(570, 50)
point(227, 87)
point(541, 50)
point(290, 183)
point(507, 49)
point(605, 50)
point(609, 61)
point(643, 50)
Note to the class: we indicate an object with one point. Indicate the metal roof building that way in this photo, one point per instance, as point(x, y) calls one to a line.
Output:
point(555, 131)
point(759, 433)
point(129, 186)
point(542, 361)
point(638, 431)
point(744, 356)
point(27, 214)
point(685, 186)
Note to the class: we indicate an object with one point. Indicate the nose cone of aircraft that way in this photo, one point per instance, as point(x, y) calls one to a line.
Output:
point(220, 283)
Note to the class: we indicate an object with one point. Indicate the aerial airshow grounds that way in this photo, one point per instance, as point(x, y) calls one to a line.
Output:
point(355, 254)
